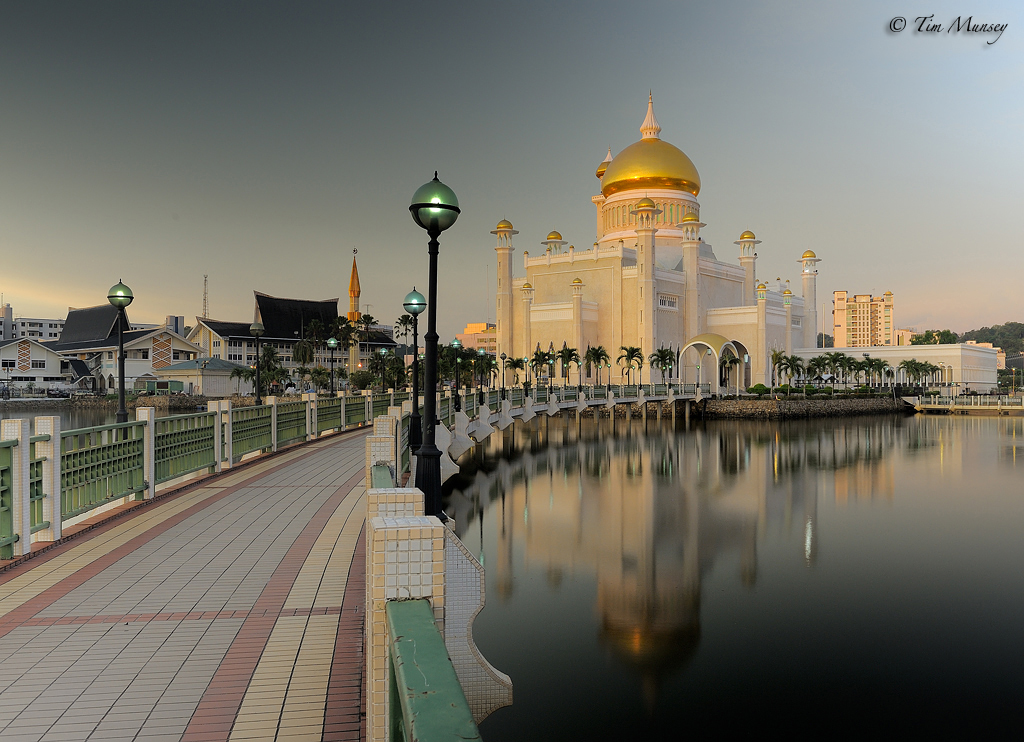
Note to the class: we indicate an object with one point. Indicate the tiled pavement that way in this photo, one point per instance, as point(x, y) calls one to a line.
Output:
point(223, 612)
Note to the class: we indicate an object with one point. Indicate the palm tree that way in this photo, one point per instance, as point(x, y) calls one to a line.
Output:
point(364, 324)
point(727, 363)
point(817, 367)
point(303, 353)
point(241, 374)
point(630, 354)
point(566, 356)
point(539, 360)
point(597, 356)
point(320, 377)
point(515, 365)
point(778, 356)
point(791, 366)
point(662, 359)
point(403, 327)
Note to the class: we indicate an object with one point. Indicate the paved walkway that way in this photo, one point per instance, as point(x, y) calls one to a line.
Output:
point(232, 610)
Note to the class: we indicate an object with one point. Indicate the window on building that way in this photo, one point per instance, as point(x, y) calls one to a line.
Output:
point(216, 343)
point(7, 364)
point(110, 355)
point(38, 364)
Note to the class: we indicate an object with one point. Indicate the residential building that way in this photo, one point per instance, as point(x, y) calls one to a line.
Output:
point(26, 362)
point(650, 280)
point(863, 320)
point(480, 335)
point(38, 329)
point(90, 336)
point(210, 377)
point(1000, 353)
point(904, 336)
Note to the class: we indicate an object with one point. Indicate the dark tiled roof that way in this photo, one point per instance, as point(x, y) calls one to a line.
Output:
point(131, 336)
point(285, 318)
point(91, 323)
point(376, 337)
point(227, 329)
point(79, 369)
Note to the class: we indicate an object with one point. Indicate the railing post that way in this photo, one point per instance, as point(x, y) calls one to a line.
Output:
point(148, 448)
point(50, 452)
point(214, 407)
point(343, 420)
point(21, 503)
point(228, 448)
point(272, 401)
point(368, 410)
point(310, 400)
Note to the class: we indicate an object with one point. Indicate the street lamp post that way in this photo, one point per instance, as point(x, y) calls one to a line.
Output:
point(332, 344)
point(503, 357)
point(457, 345)
point(414, 304)
point(257, 330)
point(434, 208)
point(383, 369)
point(480, 354)
point(120, 296)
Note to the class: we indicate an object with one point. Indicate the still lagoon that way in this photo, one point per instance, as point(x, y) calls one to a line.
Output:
point(646, 582)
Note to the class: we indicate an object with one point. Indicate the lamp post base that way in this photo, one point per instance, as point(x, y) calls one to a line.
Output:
point(428, 480)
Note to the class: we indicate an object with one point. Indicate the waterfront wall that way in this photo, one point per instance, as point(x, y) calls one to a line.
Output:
point(796, 408)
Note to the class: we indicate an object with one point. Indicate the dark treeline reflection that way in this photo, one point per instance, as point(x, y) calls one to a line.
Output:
point(632, 519)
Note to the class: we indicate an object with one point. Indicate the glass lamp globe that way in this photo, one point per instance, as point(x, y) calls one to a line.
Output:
point(332, 343)
point(120, 295)
point(435, 206)
point(456, 343)
point(257, 330)
point(415, 302)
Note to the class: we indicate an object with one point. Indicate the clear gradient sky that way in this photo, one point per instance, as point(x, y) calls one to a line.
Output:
point(261, 142)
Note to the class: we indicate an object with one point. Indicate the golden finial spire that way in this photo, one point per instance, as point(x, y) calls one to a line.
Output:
point(650, 128)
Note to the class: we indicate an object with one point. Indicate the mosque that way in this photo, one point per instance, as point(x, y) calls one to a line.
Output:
point(651, 281)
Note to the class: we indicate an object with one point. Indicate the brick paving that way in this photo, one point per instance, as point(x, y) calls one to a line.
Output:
point(204, 616)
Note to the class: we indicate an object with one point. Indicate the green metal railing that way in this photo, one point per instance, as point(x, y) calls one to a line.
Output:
point(291, 422)
point(355, 410)
point(100, 464)
point(251, 430)
point(381, 402)
point(8, 537)
point(328, 414)
point(427, 700)
point(184, 444)
point(35, 485)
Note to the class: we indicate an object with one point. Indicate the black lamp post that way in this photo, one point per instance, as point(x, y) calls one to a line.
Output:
point(503, 357)
point(435, 208)
point(383, 369)
point(257, 330)
point(457, 345)
point(414, 304)
point(120, 296)
point(332, 344)
point(481, 354)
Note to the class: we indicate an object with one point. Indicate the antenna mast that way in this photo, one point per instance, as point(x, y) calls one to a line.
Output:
point(206, 297)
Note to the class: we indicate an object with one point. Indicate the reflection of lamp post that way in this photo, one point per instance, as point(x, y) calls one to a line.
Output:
point(503, 357)
point(120, 296)
point(434, 208)
point(332, 344)
point(414, 304)
point(257, 330)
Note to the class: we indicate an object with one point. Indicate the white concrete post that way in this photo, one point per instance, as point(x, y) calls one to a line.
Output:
point(148, 448)
point(21, 513)
point(310, 399)
point(50, 451)
point(368, 401)
point(229, 453)
point(214, 407)
point(341, 420)
point(272, 401)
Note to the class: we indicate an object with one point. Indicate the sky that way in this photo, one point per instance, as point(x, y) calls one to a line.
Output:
point(261, 143)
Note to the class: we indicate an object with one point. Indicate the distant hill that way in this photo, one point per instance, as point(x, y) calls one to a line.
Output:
point(1009, 336)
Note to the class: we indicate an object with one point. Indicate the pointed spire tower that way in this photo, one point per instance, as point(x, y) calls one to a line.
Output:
point(650, 128)
point(353, 312)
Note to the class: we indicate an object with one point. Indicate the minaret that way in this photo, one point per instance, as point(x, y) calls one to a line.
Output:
point(577, 315)
point(503, 312)
point(759, 358)
point(787, 300)
point(599, 199)
point(748, 259)
point(527, 346)
point(809, 275)
point(645, 212)
point(353, 313)
point(691, 226)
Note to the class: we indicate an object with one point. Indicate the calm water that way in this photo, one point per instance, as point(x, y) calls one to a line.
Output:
point(819, 576)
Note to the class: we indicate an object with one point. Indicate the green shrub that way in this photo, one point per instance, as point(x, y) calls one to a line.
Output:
point(759, 389)
point(361, 380)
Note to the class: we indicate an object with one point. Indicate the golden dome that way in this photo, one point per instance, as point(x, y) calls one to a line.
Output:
point(809, 254)
point(651, 163)
point(577, 281)
point(527, 286)
point(748, 235)
point(761, 287)
point(691, 217)
point(553, 235)
point(504, 224)
point(645, 203)
point(787, 292)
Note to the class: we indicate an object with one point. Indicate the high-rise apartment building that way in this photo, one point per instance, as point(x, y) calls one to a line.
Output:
point(863, 320)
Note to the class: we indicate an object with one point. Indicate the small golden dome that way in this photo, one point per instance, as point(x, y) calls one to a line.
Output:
point(691, 217)
point(527, 286)
point(748, 235)
point(576, 281)
point(888, 293)
point(504, 224)
point(761, 287)
point(645, 203)
point(809, 254)
point(553, 235)
point(787, 292)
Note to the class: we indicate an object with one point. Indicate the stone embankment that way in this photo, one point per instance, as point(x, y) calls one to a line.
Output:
point(795, 408)
point(33, 403)
point(177, 402)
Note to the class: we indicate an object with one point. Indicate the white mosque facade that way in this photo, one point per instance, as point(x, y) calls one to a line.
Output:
point(650, 280)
